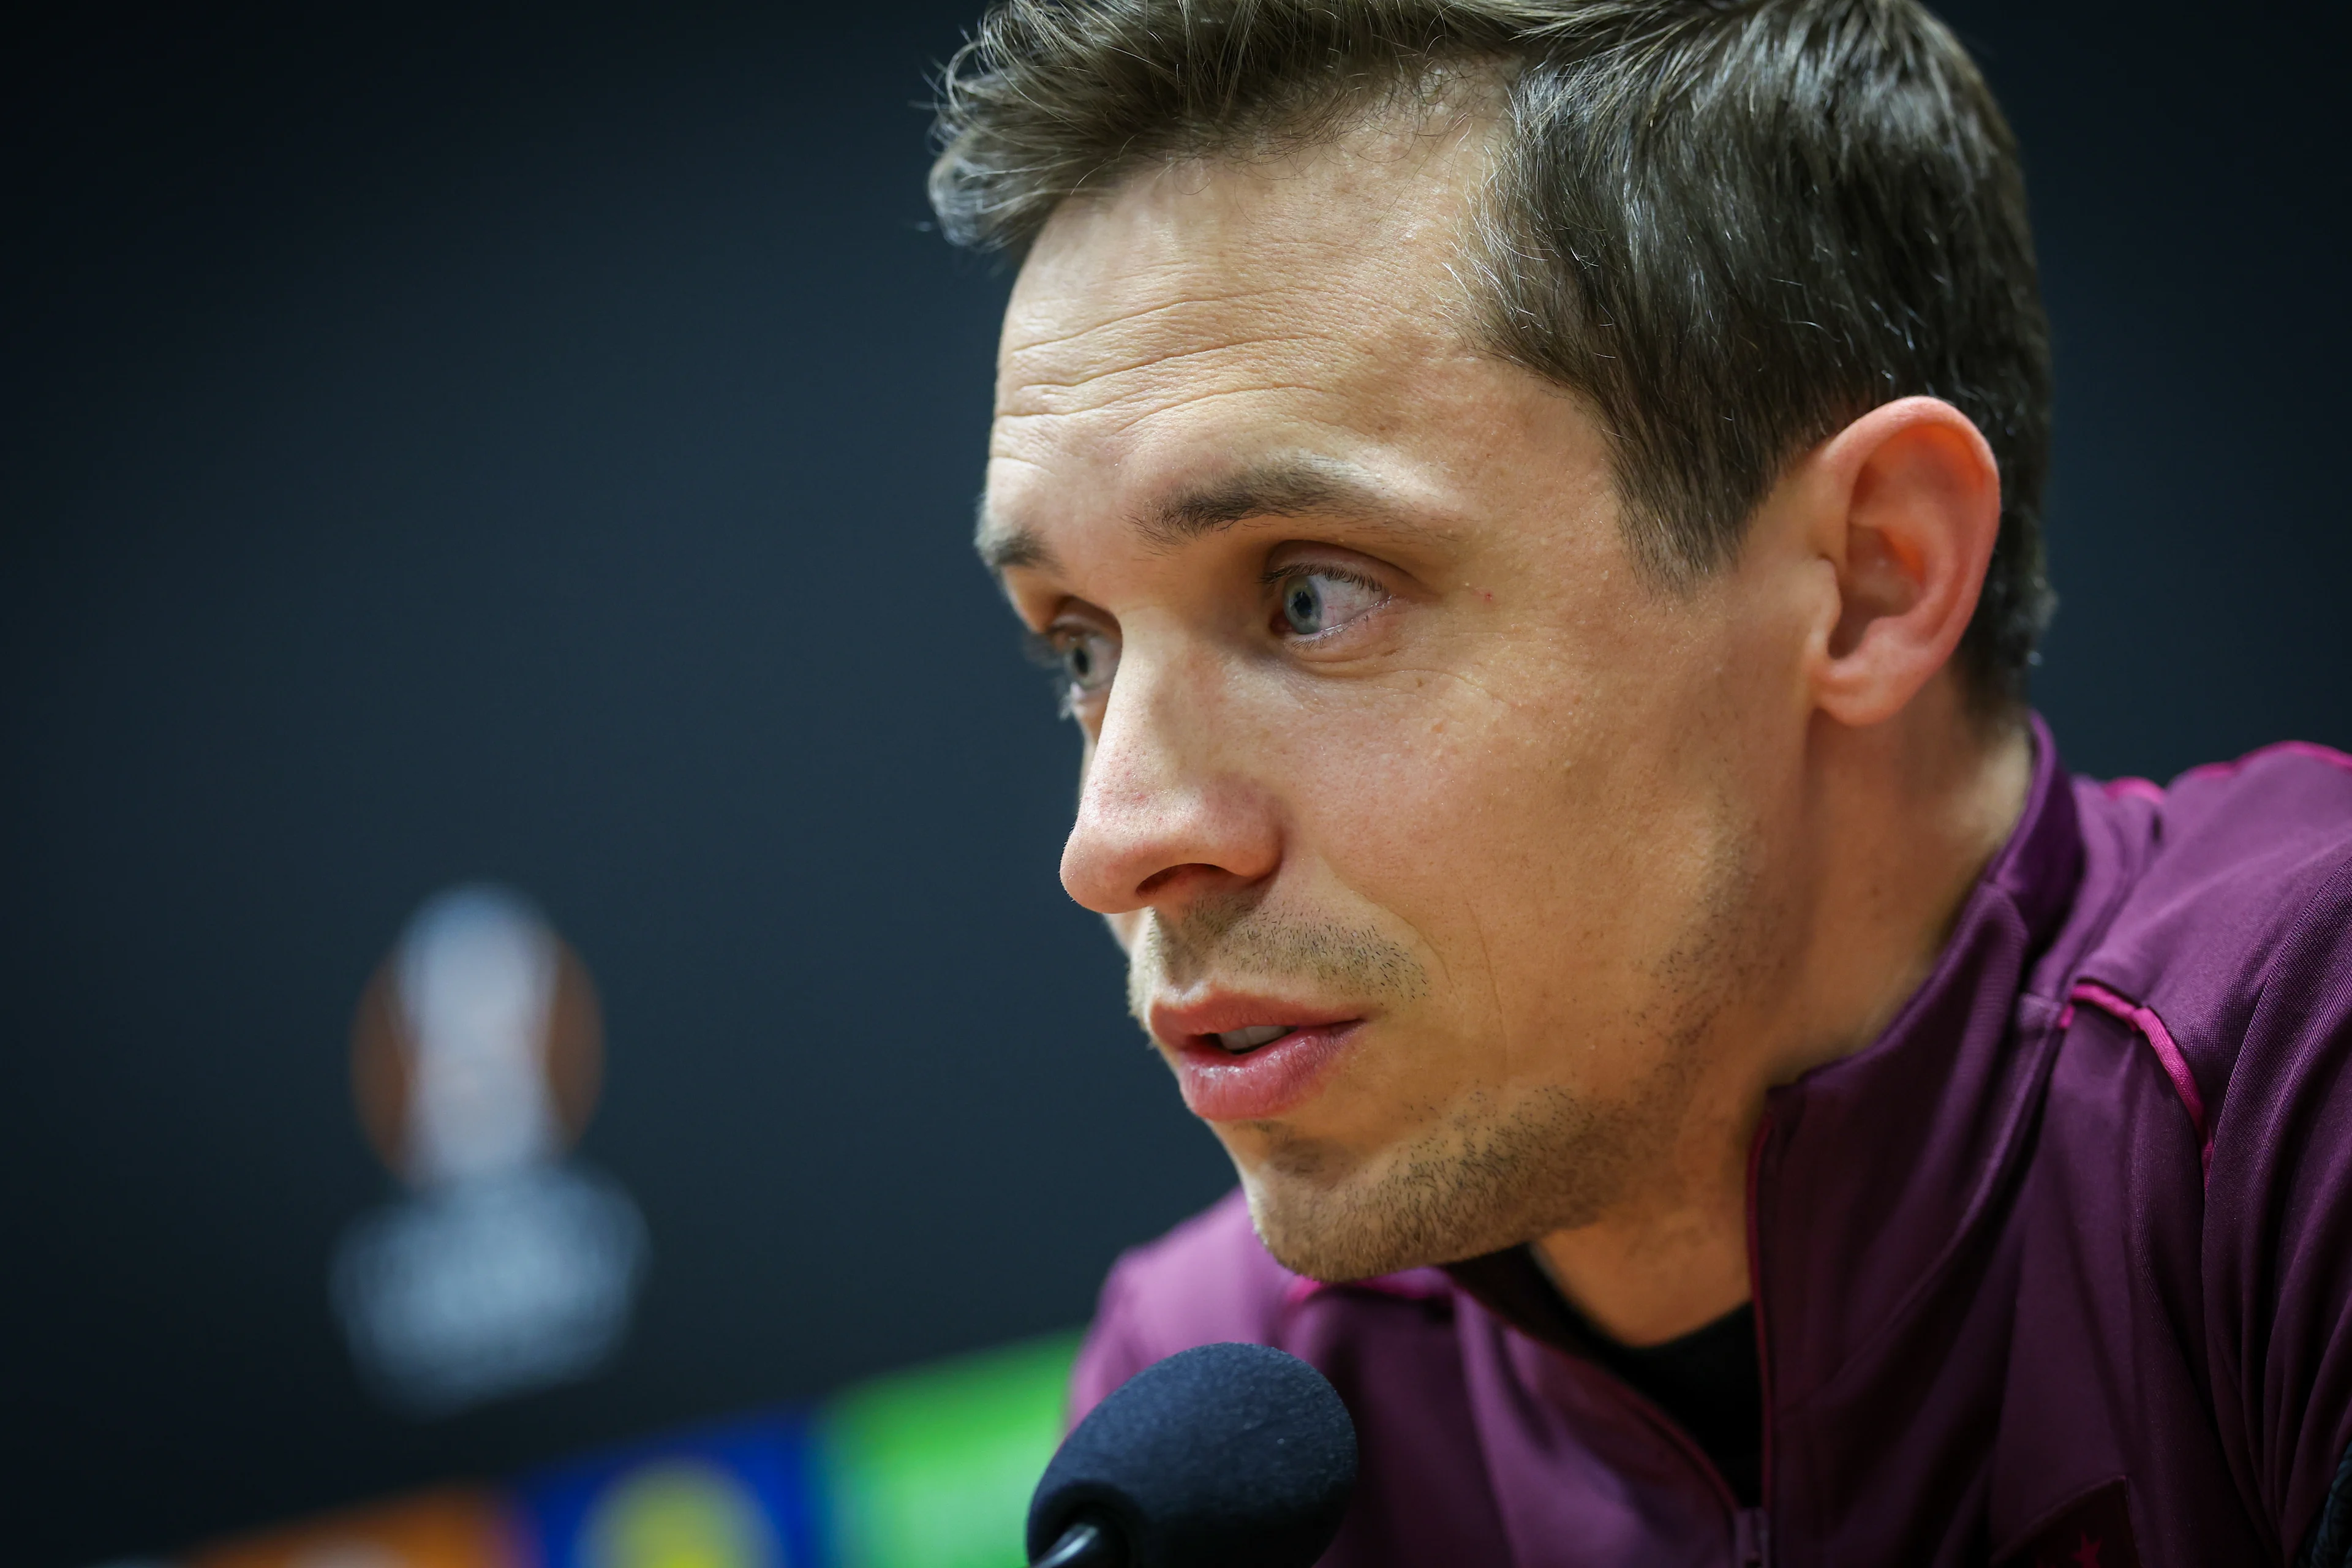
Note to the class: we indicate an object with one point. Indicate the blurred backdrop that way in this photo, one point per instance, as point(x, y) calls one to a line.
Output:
point(485, 495)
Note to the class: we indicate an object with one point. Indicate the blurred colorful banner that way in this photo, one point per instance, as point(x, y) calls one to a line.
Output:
point(461, 1528)
point(740, 1496)
point(933, 1468)
point(926, 1468)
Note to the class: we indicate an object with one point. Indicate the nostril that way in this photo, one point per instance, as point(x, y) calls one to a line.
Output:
point(1159, 881)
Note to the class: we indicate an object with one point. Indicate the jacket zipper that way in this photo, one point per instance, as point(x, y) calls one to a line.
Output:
point(1752, 1531)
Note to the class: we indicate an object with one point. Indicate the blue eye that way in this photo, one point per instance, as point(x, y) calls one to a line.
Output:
point(1316, 602)
point(1302, 605)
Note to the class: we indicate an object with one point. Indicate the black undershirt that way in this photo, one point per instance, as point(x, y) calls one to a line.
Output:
point(1707, 1381)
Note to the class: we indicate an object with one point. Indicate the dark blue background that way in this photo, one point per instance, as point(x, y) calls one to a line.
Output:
point(540, 444)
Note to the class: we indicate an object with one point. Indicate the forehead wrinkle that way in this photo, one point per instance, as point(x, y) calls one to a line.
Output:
point(1037, 386)
point(1124, 337)
point(1123, 422)
point(1130, 318)
point(1306, 312)
point(1292, 263)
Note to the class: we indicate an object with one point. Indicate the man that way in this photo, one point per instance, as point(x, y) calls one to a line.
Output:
point(1534, 505)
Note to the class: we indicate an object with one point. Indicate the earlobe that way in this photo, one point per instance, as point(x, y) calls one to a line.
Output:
point(1912, 499)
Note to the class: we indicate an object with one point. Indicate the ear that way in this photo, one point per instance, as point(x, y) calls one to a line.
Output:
point(1906, 507)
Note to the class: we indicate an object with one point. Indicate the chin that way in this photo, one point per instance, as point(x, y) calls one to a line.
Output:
point(1306, 1238)
point(1466, 1189)
point(1359, 1224)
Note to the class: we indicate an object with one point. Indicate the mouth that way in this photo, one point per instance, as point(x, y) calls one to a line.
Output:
point(1250, 1059)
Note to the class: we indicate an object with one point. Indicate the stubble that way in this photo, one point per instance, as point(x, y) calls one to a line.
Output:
point(1493, 1171)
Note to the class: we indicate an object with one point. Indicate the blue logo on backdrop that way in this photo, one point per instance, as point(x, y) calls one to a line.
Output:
point(742, 1496)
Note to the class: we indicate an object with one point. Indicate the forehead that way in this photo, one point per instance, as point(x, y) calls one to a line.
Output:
point(1200, 310)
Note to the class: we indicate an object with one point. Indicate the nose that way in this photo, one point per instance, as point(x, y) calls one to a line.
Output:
point(1163, 815)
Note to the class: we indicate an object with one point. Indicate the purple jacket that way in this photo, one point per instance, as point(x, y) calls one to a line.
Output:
point(2058, 1271)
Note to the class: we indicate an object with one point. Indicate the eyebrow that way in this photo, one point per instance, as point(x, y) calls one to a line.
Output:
point(1290, 485)
point(1002, 549)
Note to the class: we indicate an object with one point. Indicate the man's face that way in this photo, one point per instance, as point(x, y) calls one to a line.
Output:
point(1433, 830)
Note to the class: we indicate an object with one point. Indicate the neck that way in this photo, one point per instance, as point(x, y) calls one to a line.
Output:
point(1885, 836)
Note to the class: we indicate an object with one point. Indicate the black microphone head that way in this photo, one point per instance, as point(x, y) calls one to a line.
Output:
point(1221, 1456)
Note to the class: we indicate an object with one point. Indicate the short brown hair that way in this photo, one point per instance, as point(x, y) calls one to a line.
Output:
point(1733, 225)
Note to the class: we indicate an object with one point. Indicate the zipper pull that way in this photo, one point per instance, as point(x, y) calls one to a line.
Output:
point(1751, 1538)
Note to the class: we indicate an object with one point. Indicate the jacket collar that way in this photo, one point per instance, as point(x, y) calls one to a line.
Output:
point(1871, 1169)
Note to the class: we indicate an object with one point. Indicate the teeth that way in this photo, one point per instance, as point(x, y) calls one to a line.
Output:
point(1251, 1038)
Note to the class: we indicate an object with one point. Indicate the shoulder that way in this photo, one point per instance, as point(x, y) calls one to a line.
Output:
point(1207, 1281)
point(2227, 951)
point(2236, 902)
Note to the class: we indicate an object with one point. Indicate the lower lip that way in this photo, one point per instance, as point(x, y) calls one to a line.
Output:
point(1268, 1082)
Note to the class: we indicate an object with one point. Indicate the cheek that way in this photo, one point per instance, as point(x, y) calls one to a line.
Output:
point(1542, 845)
point(1467, 821)
point(1391, 785)
point(1445, 792)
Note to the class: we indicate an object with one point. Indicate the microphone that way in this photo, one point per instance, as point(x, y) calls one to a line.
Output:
point(1223, 1456)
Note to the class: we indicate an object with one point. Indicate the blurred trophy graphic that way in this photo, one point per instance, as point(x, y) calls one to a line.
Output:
point(508, 1266)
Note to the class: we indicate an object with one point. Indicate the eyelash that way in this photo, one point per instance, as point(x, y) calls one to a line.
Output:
point(1276, 576)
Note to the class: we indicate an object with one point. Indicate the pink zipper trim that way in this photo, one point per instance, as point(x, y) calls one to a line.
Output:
point(1302, 1289)
point(2133, 789)
point(2176, 1065)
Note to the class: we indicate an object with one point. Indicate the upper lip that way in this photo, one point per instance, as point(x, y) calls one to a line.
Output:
point(1223, 1012)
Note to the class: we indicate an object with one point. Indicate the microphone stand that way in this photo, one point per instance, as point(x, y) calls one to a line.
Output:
point(1086, 1544)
